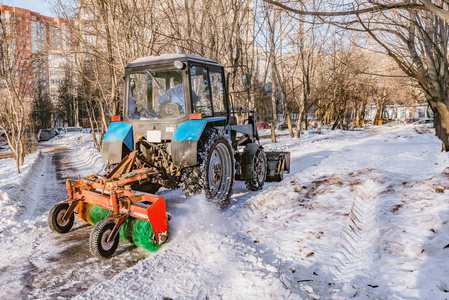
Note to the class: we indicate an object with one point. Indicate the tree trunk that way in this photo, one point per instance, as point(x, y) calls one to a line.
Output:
point(299, 123)
point(336, 122)
point(362, 113)
point(289, 124)
point(306, 119)
point(274, 118)
point(441, 120)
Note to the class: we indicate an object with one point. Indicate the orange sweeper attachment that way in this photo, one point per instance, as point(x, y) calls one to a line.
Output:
point(116, 211)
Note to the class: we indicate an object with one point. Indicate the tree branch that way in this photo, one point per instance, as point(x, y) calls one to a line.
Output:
point(374, 8)
point(437, 11)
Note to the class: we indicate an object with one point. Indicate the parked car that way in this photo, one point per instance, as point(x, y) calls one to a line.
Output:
point(411, 121)
point(3, 140)
point(392, 124)
point(45, 135)
point(58, 130)
point(284, 125)
point(262, 125)
point(425, 122)
point(69, 130)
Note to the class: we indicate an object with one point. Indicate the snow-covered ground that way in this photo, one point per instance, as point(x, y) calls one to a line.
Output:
point(362, 215)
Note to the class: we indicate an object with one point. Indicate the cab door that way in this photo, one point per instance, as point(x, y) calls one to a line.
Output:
point(208, 91)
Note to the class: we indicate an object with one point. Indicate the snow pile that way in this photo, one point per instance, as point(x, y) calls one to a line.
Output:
point(14, 187)
point(85, 157)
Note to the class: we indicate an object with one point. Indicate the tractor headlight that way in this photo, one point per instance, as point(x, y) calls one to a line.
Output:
point(179, 65)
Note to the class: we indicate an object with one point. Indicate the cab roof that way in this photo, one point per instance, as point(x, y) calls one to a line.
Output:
point(170, 58)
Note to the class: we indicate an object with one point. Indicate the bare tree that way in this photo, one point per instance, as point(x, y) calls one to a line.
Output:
point(414, 34)
point(67, 105)
point(15, 87)
point(42, 108)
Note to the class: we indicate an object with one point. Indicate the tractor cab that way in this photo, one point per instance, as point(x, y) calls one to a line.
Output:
point(170, 89)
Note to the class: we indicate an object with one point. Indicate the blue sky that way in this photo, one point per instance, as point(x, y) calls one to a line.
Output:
point(41, 6)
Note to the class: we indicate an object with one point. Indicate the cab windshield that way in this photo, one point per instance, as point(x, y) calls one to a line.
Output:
point(156, 95)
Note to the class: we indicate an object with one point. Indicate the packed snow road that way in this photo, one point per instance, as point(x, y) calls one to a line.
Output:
point(361, 216)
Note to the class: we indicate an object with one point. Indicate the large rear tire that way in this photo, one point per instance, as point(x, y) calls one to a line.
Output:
point(55, 221)
point(215, 171)
point(98, 239)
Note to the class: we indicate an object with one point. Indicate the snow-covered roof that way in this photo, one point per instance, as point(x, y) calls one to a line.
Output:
point(164, 58)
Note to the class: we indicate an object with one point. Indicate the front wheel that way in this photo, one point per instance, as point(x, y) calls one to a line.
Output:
point(256, 170)
point(55, 218)
point(98, 241)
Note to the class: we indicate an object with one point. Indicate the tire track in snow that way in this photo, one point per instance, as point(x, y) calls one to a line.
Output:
point(359, 241)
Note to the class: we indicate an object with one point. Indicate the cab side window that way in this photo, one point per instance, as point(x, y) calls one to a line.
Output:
point(200, 91)
point(217, 85)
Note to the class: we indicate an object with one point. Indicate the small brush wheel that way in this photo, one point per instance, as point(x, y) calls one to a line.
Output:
point(55, 221)
point(98, 239)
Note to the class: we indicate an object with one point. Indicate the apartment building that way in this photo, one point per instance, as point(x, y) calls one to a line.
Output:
point(39, 42)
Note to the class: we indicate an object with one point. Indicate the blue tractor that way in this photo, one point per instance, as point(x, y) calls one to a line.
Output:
point(178, 119)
